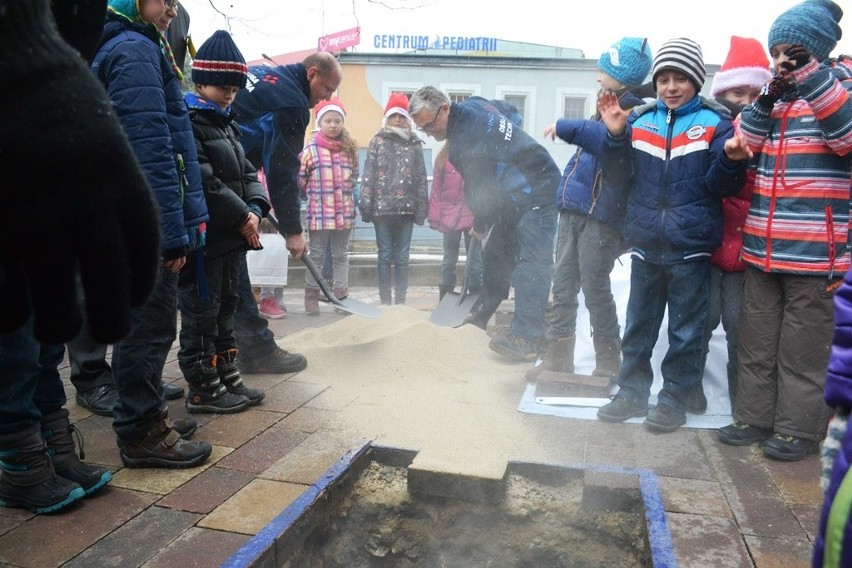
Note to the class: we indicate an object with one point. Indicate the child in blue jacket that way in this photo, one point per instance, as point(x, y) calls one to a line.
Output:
point(681, 157)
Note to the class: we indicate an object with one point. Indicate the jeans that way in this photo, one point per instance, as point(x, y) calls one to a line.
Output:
point(139, 358)
point(89, 367)
point(685, 289)
point(452, 242)
point(336, 242)
point(207, 326)
point(585, 254)
point(725, 302)
point(519, 252)
point(393, 239)
point(254, 338)
point(31, 387)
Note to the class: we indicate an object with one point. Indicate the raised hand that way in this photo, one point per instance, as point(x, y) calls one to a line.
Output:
point(736, 147)
point(797, 57)
point(773, 90)
point(612, 115)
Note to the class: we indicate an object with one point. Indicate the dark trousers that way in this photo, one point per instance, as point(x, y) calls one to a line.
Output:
point(31, 386)
point(138, 361)
point(207, 325)
point(254, 338)
point(89, 367)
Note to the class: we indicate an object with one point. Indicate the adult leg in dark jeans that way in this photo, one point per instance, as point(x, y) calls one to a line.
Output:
point(91, 375)
point(144, 437)
point(258, 351)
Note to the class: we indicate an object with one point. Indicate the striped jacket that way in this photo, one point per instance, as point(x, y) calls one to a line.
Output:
point(798, 221)
point(327, 180)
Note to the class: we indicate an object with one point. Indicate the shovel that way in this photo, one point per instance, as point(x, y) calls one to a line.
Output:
point(346, 304)
point(454, 307)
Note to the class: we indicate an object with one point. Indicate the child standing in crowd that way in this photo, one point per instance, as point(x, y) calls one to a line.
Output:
point(394, 195)
point(327, 180)
point(736, 85)
point(134, 63)
point(449, 214)
point(590, 222)
point(681, 158)
point(235, 198)
point(795, 242)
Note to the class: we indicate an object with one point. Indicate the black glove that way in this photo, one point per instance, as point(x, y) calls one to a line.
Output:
point(72, 192)
point(798, 56)
point(773, 90)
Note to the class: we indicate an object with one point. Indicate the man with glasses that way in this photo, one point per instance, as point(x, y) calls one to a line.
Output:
point(509, 180)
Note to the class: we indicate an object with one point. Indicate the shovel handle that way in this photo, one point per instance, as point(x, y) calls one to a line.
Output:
point(309, 263)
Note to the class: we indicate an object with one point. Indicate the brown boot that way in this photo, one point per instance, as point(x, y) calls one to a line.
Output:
point(341, 292)
point(559, 357)
point(607, 356)
point(312, 301)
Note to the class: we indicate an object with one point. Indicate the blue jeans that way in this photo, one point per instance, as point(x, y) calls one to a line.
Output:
point(393, 240)
point(685, 289)
point(31, 387)
point(254, 338)
point(519, 252)
point(139, 358)
point(585, 254)
point(452, 242)
point(207, 326)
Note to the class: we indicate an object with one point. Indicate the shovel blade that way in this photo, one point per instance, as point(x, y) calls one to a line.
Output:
point(357, 308)
point(453, 309)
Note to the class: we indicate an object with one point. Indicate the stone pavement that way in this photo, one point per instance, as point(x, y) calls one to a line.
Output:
point(727, 507)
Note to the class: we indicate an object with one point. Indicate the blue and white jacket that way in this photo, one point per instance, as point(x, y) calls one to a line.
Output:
point(273, 113)
point(582, 189)
point(146, 96)
point(674, 164)
point(505, 171)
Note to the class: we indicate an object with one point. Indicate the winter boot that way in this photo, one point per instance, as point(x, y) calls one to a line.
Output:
point(226, 365)
point(443, 289)
point(607, 357)
point(341, 292)
point(208, 394)
point(163, 447)
point(28, 479)
point(312, 301)
point(57, 432)
point(481, 312)
point(559, 357)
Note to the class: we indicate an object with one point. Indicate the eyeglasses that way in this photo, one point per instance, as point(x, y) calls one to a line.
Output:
point(429, 125)
point(171, 4)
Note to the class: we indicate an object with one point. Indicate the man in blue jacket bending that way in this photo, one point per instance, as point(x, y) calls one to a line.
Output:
point(508, 183)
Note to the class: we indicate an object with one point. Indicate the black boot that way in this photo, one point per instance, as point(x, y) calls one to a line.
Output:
point(481, 312)
point(163, 447)
point(56, 430)
point(226, 366)
point(607, 357)
point(28, 479)
point(559, 357)
point(208, 394)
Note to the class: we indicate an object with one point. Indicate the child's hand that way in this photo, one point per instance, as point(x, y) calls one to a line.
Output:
point(249, 228)
point(773, 90)
point(736, 147)
point(797, 57)
point(550, 131)
point(612, 115)
point(253, 241)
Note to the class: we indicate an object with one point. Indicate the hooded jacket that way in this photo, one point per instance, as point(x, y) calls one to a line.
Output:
point(146, 96)
point(273, 112)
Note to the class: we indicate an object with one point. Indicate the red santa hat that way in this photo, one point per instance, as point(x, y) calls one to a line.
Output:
point(331, 104)
point(745, 66)
point(397, 104)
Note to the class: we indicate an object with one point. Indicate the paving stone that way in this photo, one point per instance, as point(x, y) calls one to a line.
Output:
point(149, 532)
point(234, 430)
point(206, 491)
point(310, 420)
point(288, 396)
point(8, 523)
point(199, 548)
point(71, 531)
point(695, 497)
point(332, 399)
point(779, 553)
point(164, 481)
point(707, 542)
point(678, 454)
point(808, 516)
point(608, 455)
point(268, 447)
point(308, 461)
point(482, 480)
point(795, 480)
point(100, 442)
point(251, 508)
point(765, 516)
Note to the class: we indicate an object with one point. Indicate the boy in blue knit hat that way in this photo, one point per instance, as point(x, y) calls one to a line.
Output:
point(590, 221)
point(208, 293)
point(679, 157)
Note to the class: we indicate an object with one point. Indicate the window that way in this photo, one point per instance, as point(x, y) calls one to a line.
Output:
point(522, 98)
point(520, 103)
point(459, 96)
point(574, 107)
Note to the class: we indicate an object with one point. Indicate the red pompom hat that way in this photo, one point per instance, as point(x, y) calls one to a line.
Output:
point(333, 103)
point(397, 104)
point(745, 66)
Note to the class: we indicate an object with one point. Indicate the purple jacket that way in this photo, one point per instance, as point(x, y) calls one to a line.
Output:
point(448, 210)
point(838, 395)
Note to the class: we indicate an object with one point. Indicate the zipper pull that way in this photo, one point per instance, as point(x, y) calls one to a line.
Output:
point(669, 117)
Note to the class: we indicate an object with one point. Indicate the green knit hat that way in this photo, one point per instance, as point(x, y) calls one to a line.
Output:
point(127, 8)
